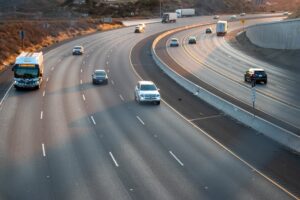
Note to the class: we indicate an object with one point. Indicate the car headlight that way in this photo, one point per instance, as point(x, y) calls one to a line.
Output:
point(142, 95)
point(157, 95)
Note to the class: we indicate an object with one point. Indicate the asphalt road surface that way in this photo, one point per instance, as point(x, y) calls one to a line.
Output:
point(74, 140)
point(215, 62)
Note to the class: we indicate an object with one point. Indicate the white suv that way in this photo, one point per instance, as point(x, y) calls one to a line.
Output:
point(146, 91)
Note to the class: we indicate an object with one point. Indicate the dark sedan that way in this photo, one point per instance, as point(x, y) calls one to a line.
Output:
point(256, 75)
point(100, 77)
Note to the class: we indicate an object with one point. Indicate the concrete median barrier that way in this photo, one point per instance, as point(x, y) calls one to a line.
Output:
point(276, 35)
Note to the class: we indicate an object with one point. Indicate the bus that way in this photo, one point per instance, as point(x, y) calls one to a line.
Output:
point(28, 70)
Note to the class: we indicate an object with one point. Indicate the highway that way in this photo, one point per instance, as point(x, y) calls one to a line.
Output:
point(215, 62)
point(74, 140)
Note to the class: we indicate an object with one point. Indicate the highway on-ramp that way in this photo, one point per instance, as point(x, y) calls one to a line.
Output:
point(73, 140)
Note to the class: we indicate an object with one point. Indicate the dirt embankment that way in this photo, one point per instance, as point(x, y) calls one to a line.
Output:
point(40, 34)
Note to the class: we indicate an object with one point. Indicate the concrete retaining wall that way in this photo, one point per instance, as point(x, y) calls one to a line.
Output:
point(276, 35)
point(272, 131)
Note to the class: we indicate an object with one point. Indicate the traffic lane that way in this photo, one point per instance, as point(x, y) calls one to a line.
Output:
point(281, 84)
point(76, 160)
point(268, 157)
point(286, 112)
point(135, 150)
point(23, 166)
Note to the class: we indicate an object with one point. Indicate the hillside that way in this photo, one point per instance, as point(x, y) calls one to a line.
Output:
point(125, 8)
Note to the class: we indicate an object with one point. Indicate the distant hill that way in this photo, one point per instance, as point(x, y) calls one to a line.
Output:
point(142, 6)
point(28, 5)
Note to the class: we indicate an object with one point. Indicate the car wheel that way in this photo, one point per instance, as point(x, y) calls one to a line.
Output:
point(245, 79)
point(158, 102)
point(266, 81)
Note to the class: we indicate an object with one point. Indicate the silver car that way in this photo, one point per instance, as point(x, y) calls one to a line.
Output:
point(146, 91)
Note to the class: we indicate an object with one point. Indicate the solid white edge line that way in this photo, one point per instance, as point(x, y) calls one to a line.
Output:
point(215, 140)
point(112, 82)
point(81, 82)
point(83, 97)
point(121, 97)
point(47, 80)
point(81, 70)
point(140, 120)
point(44, 151)
point(114, 160)
point(44, 93)
point(176, 158)
point(93, 120)
point(6, 93)
point(42, 112)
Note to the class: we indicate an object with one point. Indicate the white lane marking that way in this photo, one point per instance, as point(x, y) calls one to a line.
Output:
point(47, 80)
point(121, 97)
point(52, 68)
point(112, 82)
point(44, 93)
point(108, 71)
point(81, 70)
point(113, 158)
point(175, 157)
point(42, 113)
point(83, 97)
point(43, 148)
point(213, 139)
point(81, 82)
point(6, 93)
point(140, 120)
point(106, 62)
point(93, 120)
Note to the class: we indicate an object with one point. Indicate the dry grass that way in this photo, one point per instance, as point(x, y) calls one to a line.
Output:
point(38, 37)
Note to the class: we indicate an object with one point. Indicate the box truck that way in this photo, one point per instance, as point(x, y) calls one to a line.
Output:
point(221, 28)
point(186, 12)
point(169, 18)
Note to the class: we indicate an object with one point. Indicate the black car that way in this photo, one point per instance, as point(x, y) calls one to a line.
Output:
point(192, 40)
point(256, 75)
point(100, 77)
point(208, 30)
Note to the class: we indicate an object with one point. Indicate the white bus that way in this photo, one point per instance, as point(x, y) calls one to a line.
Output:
point(28, 70)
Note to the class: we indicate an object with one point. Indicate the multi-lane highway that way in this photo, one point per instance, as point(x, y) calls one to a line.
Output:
point(215, 62)
point(74, 140)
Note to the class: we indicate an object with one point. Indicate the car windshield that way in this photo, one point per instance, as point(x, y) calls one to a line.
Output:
point(26, 72)
point(259, 73)
point(148, 87)
point(77, 48)
point(174, 40)
point(100, 73)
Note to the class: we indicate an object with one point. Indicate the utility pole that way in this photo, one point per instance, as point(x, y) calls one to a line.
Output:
point(160, 8)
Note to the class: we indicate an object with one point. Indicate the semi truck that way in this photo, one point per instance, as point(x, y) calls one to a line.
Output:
point(221, 28)
point(186, 12)
point(169, 18)
point(28, 70)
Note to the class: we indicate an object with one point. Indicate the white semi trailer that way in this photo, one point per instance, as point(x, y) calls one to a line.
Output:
point(185, 12)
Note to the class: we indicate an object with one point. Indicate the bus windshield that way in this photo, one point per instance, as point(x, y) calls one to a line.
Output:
point(26, 72)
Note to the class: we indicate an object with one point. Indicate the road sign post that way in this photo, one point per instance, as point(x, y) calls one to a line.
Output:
point(253, 92)
point(243, 22)
point(22, 36)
